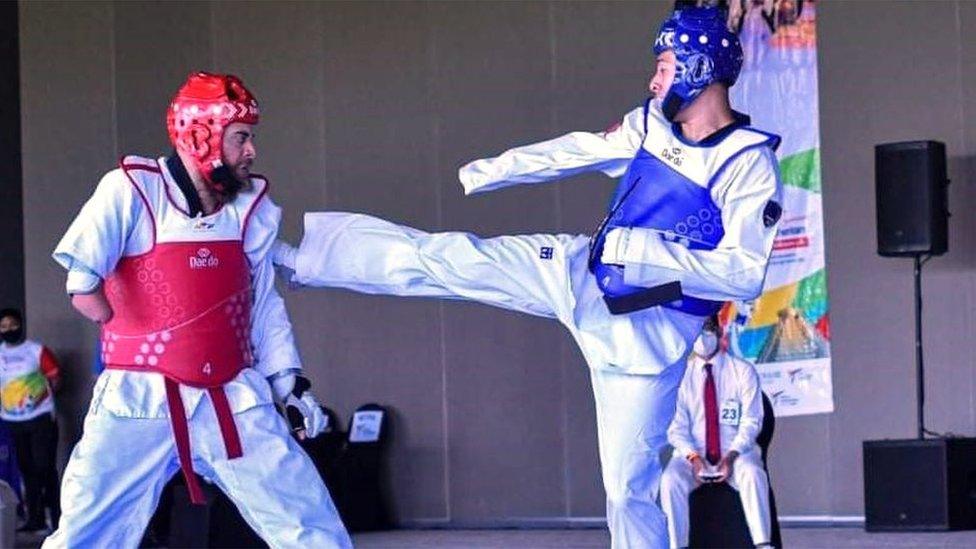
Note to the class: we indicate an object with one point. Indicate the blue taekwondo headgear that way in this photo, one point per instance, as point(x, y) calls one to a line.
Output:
point(706, 51)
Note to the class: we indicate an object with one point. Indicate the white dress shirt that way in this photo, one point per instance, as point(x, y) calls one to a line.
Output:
point(737, 394)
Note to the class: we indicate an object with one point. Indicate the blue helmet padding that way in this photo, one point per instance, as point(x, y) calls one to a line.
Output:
point(705, 51)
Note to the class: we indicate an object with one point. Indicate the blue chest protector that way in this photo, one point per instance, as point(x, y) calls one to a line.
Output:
point(654, 195)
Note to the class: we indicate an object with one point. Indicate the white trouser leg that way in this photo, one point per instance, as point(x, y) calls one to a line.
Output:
point(274, 484)
point(358, 252)
point(113, 481)
point(633, 413)
point(750, 479)
point(532, 274)
point(677, 484)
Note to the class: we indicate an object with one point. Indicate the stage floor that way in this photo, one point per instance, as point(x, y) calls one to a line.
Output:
point(793, 538)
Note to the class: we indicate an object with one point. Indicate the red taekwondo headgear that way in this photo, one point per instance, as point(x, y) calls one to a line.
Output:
point(202, 109)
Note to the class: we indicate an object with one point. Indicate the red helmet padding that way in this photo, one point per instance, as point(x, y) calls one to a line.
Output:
point(200, 112)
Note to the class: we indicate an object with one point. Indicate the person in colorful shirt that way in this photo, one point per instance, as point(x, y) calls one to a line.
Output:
point(29, 375)
point(690, 226)
point(171, 256)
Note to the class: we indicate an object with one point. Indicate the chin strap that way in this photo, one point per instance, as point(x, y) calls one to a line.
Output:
point(671, 106)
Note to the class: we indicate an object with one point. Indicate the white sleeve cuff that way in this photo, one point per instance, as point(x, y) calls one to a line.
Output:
point(82, 281)
point(647, 247)
point(284, 372)
point(648, 261)
point(471, 177)
point(284, 254)
point(684, 451)
point(742, 447)
point(615, 246)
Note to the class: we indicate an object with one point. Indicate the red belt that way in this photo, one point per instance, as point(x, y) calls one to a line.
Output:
point(181, 431)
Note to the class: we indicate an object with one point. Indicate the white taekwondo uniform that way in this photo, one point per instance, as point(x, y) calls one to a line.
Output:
point(127, 452)
point(636, 359)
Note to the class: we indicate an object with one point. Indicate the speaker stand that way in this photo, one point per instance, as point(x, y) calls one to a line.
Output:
point(920, 260)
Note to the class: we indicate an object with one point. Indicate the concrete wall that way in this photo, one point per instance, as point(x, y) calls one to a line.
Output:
point(373, 106)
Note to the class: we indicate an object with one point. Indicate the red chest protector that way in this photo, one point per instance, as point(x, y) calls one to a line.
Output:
point(183, 309)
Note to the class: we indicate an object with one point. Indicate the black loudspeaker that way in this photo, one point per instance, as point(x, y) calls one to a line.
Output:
point(912, 198)
point(920, 484)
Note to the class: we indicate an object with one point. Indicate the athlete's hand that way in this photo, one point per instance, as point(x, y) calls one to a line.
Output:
point(302, 408)
point(94, 306)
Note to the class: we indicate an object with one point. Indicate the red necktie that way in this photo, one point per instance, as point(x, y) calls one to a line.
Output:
point(713, 452)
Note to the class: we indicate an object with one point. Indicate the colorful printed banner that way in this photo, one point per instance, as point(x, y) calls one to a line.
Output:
point(786, 332)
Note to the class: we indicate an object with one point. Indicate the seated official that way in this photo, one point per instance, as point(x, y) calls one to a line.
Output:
point(718, 416)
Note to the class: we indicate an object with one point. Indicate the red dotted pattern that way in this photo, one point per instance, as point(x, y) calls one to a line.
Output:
point(238, 311)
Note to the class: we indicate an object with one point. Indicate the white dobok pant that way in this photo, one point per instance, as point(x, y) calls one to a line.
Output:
point(119, 467)
point(636, 360)
point(748, 478)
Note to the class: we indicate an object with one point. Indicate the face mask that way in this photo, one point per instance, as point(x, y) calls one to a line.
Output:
point(12, 336)
point(706, 344)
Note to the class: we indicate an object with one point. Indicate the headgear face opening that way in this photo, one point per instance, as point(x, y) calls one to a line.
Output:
point(198, 115)
point(705, 51)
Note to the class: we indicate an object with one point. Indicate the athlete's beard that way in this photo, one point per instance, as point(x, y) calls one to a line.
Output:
point(225, 183)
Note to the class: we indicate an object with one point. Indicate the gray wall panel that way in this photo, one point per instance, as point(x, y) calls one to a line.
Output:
point(963, 194)
point(596, 82)
point(69, 142)
point(502, 369)
point(873, 346)
point(801, 443)
point(380, 161)
point(491, 79)
point(145, 73)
